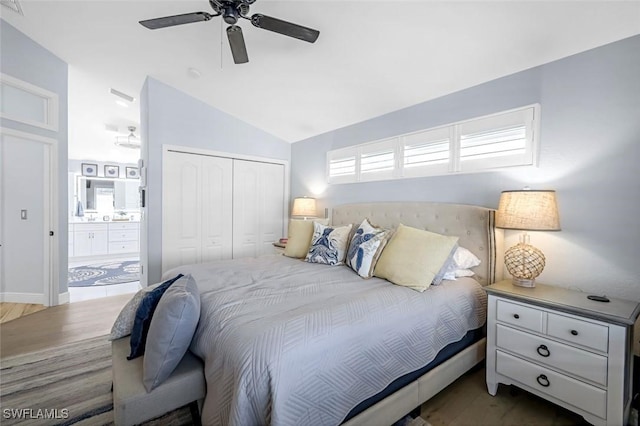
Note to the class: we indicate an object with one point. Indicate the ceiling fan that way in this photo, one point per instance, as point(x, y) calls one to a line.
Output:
point(231, 11)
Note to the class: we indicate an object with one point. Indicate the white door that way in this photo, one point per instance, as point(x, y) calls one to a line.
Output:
point(25, 218)
point(217, 197)
point(258, 203)
point(196, 202)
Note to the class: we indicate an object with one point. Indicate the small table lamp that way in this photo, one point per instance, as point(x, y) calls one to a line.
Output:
point(526, 210)
point(304, 206)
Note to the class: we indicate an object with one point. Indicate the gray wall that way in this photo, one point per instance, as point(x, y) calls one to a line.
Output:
point(26, 60)
point(171, 117)
point(590, 147)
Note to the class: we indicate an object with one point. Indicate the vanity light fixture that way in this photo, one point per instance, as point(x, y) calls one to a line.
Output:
point(526, 210)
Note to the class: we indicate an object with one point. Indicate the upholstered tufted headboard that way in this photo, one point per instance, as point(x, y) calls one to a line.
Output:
point(473, 225)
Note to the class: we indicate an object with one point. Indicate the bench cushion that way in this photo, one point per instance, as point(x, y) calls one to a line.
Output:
point(132, 404)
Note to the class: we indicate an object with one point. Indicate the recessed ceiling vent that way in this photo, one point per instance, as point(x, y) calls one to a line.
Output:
point(120, 94)
point(13, 5)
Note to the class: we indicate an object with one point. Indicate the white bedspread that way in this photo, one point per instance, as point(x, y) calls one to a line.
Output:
point(286, 342)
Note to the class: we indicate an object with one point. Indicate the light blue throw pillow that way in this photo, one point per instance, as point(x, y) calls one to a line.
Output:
point(172, 327)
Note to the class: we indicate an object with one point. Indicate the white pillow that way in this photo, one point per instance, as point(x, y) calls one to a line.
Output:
point(465, 259)
point(460, 264)
point(328, 245)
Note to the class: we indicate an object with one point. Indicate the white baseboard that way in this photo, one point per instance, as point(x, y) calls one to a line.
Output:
point(63, 298)
point(32, 298)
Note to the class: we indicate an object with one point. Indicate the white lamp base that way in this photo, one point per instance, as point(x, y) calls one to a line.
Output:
point(520, 282)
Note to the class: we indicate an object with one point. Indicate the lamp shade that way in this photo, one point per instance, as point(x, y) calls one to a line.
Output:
point(304, 206)
point(528, 210)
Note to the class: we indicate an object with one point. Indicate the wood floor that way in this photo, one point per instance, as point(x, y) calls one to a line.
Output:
point(465, 402)
point(60, 324)
point(11, 311)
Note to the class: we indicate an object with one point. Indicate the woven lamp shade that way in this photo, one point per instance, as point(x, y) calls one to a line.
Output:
point(527, 210)
point(304, 206)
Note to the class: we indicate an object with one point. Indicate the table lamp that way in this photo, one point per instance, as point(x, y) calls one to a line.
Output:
point(526, 210)
point(304, 207)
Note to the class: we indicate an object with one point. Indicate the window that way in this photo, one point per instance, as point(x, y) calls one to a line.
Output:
point(498, 141)
point(378, 160)
point(426, 152)
point(25, 103)
point(504, 139)
point(341, 165)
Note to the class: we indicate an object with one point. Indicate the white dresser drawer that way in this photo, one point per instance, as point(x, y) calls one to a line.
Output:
point(579, 394)
point(123, 247)
point(123, 235)
point(577, 331)
point(522, 316)
point(578, 362)
point(114, 226)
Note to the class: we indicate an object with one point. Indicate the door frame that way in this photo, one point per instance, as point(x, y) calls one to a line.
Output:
point(50, 294)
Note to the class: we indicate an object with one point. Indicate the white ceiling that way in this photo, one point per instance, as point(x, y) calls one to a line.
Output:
point(372, 57)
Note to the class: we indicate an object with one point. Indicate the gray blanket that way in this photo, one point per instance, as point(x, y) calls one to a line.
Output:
point(286, 342)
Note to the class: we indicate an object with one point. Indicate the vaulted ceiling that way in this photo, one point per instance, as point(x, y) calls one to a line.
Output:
point(372, 57)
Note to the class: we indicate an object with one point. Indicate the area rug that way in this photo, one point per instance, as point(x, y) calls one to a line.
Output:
point(106, 273)
point(66, 385)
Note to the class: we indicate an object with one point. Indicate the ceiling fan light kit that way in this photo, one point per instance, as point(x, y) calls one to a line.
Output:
point(130, 141)
point(231, 11)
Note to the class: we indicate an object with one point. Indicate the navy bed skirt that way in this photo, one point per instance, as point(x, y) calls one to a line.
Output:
point(447, 352)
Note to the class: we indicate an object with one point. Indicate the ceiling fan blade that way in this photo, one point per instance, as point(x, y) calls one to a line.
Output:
point(283, 27)
point(238, 47)
point(170, 21)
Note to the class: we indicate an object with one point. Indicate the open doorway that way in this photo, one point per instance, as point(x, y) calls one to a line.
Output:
point(104, 229)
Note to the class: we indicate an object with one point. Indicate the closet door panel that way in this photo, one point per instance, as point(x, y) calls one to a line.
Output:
point(217, 199)
point(271, 199)
point(246, 211)
point(181, 205)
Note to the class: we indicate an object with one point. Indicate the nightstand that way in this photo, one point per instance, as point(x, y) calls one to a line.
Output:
point(563, 347)
point(279, 247)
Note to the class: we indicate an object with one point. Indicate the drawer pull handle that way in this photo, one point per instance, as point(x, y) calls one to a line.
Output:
point(574, 332)
point(543, 351)
point(516, 316)
point(543, 381)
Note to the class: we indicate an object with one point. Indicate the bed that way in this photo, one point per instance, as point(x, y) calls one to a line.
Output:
point(285, 342)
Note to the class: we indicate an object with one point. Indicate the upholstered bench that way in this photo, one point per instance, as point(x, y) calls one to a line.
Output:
point(132, 404)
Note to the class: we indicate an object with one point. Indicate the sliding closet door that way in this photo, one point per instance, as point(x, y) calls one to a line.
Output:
point(196, 202)
point(217, 198)
point(258, 202)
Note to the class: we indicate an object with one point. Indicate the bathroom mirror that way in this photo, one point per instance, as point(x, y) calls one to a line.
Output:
point(108, 195)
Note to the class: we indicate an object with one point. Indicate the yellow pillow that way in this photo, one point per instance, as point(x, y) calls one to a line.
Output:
point(413, 257)
point(299, 238)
